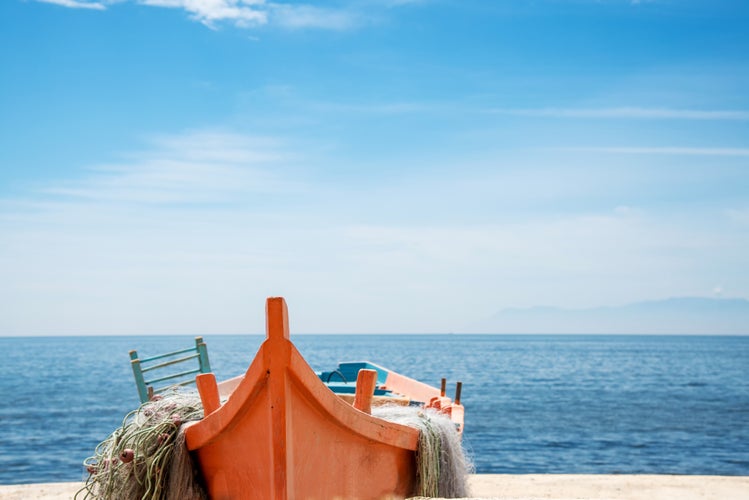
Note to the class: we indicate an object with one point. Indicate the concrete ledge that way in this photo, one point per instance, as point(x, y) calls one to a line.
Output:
point(521, 487)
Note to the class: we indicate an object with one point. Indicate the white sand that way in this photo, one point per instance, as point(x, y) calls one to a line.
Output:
point(517, 487)
point(618, 487)
point(42, 491)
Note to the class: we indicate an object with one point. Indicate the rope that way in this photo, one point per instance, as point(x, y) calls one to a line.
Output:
point(442, 467)
point(146, 458)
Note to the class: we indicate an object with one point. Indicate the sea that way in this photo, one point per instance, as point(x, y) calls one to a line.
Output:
point(588, 404)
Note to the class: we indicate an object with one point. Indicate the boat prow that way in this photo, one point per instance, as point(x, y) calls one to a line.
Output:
point(283, 434)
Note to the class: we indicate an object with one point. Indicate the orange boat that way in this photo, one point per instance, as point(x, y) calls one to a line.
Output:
point(284, 434)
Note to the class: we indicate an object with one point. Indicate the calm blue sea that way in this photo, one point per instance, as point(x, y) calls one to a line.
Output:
point(534, 404)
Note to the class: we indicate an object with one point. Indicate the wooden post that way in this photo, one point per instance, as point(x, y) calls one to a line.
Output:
point(365, 387)
point(140, 382)
point(205, 365)
point(208, 390)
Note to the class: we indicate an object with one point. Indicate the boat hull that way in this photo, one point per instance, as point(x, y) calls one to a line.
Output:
point(282, 434)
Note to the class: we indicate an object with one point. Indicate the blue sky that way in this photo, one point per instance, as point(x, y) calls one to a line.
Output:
point(385, 165)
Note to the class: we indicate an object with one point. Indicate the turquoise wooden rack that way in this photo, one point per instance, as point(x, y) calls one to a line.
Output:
point(143, 368)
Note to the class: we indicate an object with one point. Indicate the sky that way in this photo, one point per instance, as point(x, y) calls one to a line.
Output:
point(385, 165)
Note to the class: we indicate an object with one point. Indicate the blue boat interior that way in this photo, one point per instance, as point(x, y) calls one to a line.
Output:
point(342, 380)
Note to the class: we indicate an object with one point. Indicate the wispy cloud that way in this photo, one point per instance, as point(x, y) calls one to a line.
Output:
point(242, 13)
point(627, 113)
point(308, 16)
point(681, 151)
point(245, 13)
point(196, 167)
point(75, 4)
point(211, 221)
point(740, 216)
point(398, 3)
point(379, 108)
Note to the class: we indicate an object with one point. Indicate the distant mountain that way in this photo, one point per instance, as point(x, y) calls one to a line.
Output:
point(683, 315)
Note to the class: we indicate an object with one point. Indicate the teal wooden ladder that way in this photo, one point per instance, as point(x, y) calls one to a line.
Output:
point(143, 368)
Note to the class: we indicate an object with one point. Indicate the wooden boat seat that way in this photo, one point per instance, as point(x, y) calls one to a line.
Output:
point(378, 400)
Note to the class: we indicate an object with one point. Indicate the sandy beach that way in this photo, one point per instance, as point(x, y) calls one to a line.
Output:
point(522, 487)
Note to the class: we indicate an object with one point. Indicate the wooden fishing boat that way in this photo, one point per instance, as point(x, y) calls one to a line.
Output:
point(284, 433)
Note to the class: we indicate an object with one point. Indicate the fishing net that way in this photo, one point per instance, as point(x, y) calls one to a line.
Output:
point(146, 458)
point(442, 466)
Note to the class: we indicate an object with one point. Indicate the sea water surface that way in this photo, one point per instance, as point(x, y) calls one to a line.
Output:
point(534, 404)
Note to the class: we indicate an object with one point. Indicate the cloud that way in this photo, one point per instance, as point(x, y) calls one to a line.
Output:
point(245, 13)
point(204, 212)
point(679, 151)
point(307, 16)
point(627, 113)
point(195, 167)
point(192, 232)
point(738, 216)
point(75, 4)
point(398, 3)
